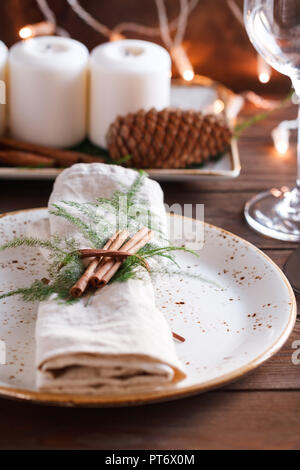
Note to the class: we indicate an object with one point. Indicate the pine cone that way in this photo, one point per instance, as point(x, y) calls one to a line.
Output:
point(171, 138)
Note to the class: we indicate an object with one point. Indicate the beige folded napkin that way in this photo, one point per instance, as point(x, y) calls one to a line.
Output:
point(120, 342)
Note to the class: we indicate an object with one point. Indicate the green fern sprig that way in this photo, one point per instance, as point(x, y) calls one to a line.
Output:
point(86, 229)
point(85, 208)
point(135, 188)
point(32, 242)
point(38, 291)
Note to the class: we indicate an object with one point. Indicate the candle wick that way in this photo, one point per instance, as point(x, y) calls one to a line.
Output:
point(133, 51)
point(47, 48)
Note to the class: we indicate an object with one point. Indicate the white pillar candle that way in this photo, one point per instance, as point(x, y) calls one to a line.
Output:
point(48, 91)
point(3, 62)
point(126, 76)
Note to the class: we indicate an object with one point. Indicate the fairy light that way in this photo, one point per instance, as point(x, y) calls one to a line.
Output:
point(116, 36)
point(44, 28)
point(183, 63)
point(281, 140)
point(218, 106)
point(25, 32)
point(282, 147)
point(188, 75)
point(264, 71)
point(264, 77)
point(281, 137)
point(177, 52)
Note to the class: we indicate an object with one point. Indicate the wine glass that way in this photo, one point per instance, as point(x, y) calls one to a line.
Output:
point(273, 27)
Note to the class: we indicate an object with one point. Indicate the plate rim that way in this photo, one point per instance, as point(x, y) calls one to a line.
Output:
point(74, 400)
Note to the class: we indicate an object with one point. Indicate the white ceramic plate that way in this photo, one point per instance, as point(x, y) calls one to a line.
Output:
point(204, 95)
point(229, 331)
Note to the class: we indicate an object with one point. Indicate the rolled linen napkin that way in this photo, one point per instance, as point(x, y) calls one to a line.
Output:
point(120, 342)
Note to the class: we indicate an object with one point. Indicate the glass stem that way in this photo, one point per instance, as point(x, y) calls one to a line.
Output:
point(296, 85)
point(298, 147)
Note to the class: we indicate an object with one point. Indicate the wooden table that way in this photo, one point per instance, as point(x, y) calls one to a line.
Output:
point(259, 411)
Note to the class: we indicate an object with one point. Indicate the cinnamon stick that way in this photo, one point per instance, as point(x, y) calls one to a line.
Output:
point(104, 266)
point(139, 243)
point(19, 158)
point(121, 255)
point(78, 289)
point(80, 286)
point(178, 337)
point(133, 249)
point(86, 253)
point(61, 157)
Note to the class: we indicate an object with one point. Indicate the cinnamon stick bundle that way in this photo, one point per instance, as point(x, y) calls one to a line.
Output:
point(105, 263)
point(61, 157)
point(107, 269)
point(19, 158)
point(78, 289)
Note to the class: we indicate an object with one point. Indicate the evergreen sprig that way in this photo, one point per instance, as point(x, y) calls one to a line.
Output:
point(32, 242)
point(65, 265)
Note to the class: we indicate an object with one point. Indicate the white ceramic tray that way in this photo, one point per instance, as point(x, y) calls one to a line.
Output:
point(203, 94)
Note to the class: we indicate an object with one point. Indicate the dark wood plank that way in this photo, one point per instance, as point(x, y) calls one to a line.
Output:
point(279, 372)
point(17, 195)
point(226, 420)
